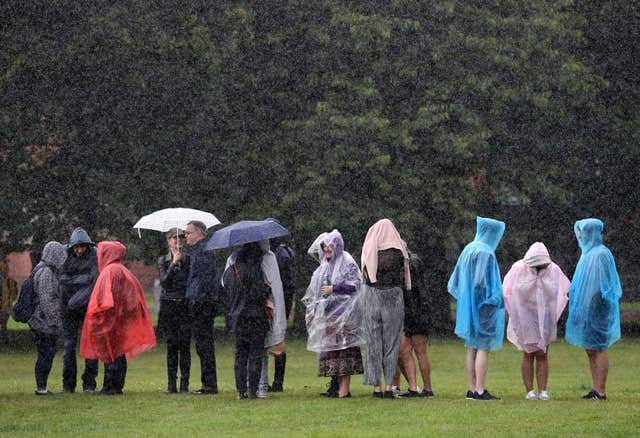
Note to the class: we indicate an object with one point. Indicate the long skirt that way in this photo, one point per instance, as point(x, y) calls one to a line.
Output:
point(341, 362)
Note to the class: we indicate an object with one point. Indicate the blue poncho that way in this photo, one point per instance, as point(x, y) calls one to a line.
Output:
point(594, 312)
point(477, 285)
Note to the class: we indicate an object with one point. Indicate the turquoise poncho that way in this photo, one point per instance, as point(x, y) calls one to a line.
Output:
point(477, 285)
point(594, 312)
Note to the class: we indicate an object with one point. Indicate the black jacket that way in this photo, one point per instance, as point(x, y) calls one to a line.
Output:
point(173, 278)
point(286, 265)
point(202, 286)
point(78, 272)
point(246, 304)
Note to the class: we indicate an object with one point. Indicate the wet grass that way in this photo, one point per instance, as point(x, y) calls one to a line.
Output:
point(145, 410)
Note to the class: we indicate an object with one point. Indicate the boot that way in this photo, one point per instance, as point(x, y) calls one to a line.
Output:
point(171, 386)
point(333, 388)
point(184, 385)
point(278, 375)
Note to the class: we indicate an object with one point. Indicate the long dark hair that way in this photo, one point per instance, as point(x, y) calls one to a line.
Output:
point(248, 264)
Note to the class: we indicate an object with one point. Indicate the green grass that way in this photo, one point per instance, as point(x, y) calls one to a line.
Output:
point(145, 410)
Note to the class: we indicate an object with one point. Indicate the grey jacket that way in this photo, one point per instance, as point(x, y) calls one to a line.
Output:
point(46, 317)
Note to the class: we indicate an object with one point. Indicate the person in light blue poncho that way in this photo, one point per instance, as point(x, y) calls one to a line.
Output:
point(477, 285)
point(594, 312)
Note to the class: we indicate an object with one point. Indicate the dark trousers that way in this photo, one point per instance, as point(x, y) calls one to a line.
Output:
point(70, 329)
point(202, 315)
point(175, 321)
point(249, 344)
point(46, 346)
point(115, 374)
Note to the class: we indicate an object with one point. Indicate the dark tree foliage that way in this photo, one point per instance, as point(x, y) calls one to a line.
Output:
point(323, 114)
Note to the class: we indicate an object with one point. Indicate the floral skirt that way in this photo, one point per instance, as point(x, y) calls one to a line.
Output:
point(341, 362)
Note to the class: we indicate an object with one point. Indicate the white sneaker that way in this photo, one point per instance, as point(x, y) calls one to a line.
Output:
point(262, 393)
point(395, 390)
point(531, 395)
point(544, 396)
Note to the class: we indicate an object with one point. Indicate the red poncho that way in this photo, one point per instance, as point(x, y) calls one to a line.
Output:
point(117, 321)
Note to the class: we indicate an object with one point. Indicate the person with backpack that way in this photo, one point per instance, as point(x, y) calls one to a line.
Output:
point(79, 274)
point(46, 321)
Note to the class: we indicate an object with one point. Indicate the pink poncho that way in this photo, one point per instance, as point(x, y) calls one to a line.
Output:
point(534, 301)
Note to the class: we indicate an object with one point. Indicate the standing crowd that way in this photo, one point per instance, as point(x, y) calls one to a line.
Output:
point(369, 318)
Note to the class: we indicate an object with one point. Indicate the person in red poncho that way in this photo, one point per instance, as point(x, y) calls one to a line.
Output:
point(117, 325)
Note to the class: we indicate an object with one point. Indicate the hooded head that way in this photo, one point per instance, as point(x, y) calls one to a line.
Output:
point(315, 250)
point(110, 252)
point(589, 233)
point(489, 231)
point(537, 255)
point(79, 236)
point(54, 254)
point(334, 239)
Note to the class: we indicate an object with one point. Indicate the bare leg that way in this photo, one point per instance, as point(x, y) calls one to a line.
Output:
point(419, 343)
point(396, 376)
point(527, 370)
point(471, 368)
point(599, 365)
point(482, 362)
point(344, 382)
point(408, 365)
point(542, 370)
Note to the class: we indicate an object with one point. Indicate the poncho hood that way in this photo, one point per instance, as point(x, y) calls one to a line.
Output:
point(537, 255)
point(589, 233)
point(110, 252)
point(489, 231)
point(78, 237)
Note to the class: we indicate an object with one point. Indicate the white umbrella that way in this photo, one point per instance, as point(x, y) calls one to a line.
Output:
point(170, 218)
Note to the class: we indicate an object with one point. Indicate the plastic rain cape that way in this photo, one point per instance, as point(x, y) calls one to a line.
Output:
point(334, 322)
point(117, 321)
point(534, 301)
point(278, 326)
point(594, 311)
point(477, 285)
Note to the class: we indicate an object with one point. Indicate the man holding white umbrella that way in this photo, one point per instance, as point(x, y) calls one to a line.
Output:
point(202, 293)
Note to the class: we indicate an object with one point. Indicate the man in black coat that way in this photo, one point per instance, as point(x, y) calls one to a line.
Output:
point(79, 275)
point(202, 294)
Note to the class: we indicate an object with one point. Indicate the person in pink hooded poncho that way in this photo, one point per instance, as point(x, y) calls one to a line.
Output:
point(535, 294)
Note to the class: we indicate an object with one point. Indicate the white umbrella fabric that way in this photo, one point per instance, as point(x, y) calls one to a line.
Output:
point(170, 218)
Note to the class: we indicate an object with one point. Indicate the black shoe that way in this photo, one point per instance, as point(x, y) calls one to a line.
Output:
point(332, 389)
point(594, 395)
point(427, 394)
point(88, 389)
point(388, 394)
point(184, 385)
point(242, 396)
point(486, 395)
point(409, 394)
point(67, 391)
point(205, 391)
point(105, 392)
point(472, 395)
point(276, 387)
point(377, 394)
point(345, 396)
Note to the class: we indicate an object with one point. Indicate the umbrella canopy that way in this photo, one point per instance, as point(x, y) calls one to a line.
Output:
point(170, 218)
point(244, 232)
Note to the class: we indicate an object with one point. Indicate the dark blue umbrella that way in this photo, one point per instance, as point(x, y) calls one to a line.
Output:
point(244, 232)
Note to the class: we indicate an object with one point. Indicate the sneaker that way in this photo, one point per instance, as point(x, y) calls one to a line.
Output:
point(472, 395)
point(377, 394)
point(531, 395)
point(395, 390)
point(594, 395)
point(205, 390)
point(409, 394)
point(544, 396)
point(67, 391)
point(486, 395)
point(242, 396)
point(425, 393)
point(44, 391)
point(262, 393)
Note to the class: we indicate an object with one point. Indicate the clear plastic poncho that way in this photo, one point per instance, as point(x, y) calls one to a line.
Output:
point(594, 311)
point(477, 285)
point(534, 300)
point(334, 322)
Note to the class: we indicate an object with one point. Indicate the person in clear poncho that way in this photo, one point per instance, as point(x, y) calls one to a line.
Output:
point(477, 286)
point(535, 294)
point(333, 313)
point(594, 311)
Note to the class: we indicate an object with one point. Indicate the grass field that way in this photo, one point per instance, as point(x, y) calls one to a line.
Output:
point(145, 410)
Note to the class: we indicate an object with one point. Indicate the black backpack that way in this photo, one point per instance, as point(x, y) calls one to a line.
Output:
point(26, 303)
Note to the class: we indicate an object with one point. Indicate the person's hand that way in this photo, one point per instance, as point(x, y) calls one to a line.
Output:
point(326, 290)
point(177, 256)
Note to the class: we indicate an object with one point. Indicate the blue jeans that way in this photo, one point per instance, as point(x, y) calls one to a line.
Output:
point(70, 328)
point(46, 345)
